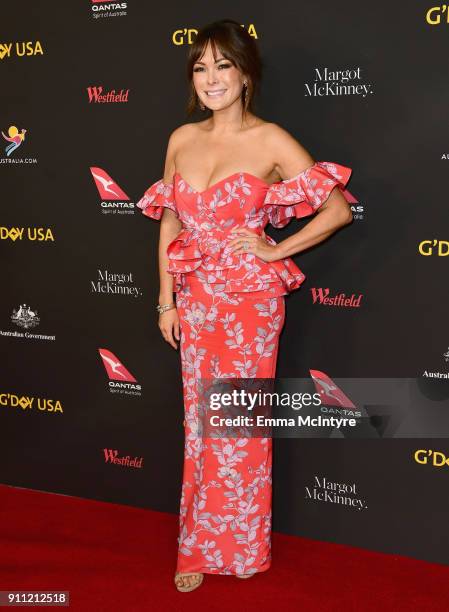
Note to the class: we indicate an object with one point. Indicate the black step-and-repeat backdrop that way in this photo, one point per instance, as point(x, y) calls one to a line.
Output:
point(90, 393)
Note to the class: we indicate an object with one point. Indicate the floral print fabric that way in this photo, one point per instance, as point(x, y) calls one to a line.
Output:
point(240, 200)
point(231, 311)
point(225, 507)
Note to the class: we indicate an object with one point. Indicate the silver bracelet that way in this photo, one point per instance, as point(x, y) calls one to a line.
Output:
point(165, 307)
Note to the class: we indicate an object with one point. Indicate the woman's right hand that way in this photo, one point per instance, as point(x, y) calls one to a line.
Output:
point(169, 326)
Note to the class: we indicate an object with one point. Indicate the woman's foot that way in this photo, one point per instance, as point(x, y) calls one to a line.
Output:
point(244, 575)
point(188, 581)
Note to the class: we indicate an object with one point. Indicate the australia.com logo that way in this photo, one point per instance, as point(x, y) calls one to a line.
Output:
point(102, 9)
point(13, 141)
point(121, 381)
point(113, 199)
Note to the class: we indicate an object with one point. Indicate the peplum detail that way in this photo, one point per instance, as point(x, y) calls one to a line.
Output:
point(210, 217)
point(303, 194)
point(207, 255)
point(157, 197)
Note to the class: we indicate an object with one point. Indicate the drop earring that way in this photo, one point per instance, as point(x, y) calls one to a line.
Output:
point(197, 98)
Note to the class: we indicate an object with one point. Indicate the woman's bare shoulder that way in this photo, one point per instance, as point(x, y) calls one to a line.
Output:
point(278, 134)
point(186, 130)
point(289, 155)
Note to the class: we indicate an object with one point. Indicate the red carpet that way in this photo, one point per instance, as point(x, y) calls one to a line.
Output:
point(118, 558)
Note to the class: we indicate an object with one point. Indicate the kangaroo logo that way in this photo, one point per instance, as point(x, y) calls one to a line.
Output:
point(15, 139)
point(107, 187)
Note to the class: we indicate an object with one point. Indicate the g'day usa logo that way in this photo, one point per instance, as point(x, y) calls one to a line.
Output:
point(121, 381)
point(20, 49)
point(113, 199)
point(101, 9)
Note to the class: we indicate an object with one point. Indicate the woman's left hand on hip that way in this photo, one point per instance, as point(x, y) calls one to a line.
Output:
point(257, 245)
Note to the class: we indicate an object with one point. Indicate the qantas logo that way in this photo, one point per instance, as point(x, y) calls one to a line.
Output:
point(107, 187)
point(114, 367)
point(121, 381)
point(105, 9)
point(114, 199)
point(358, 209)
point(330, 393)
point(380, 405)
point(349, 197)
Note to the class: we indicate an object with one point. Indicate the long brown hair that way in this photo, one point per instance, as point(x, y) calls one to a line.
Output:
point(238, 47)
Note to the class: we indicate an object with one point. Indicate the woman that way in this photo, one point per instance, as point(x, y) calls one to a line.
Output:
point(225, 179)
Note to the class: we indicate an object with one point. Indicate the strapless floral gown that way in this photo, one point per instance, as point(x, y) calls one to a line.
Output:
point(231, 310)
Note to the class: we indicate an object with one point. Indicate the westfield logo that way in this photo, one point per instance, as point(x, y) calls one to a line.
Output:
point(112, 456)
point(323, 296)
point(96, 95)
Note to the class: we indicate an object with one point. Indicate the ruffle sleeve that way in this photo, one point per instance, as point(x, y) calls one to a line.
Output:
point(158, 196)
point(303, 194)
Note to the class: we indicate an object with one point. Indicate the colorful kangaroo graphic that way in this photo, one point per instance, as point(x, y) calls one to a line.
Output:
point(14, 138)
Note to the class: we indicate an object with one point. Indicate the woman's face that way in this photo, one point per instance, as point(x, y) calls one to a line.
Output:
point(218, 83)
